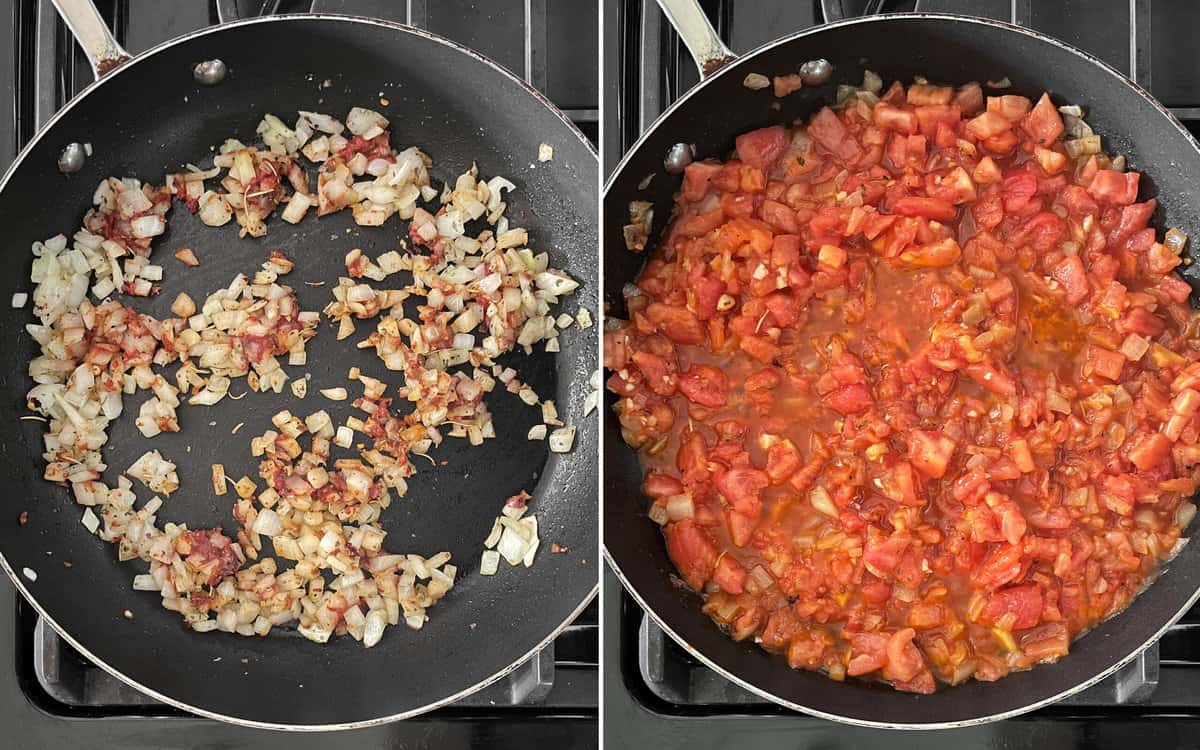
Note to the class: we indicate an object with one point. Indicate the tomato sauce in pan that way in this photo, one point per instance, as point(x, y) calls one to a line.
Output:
point(915, 387)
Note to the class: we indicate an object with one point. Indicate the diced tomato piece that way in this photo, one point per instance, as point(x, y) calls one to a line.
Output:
point(868, 652)
point(1149, 449)
point(759, 347)
point(1018, 188)
point(762, 148)
point(969, 99)
point(741, 526)
point(742, 487)
point(705, 385)
point(1043, 124)
point(701, 224)
point(894, 118)
point(1100, 361)
point(676, 323)
point(708, 293)
point(783, 460)
point(904, 660)
point(730, 575)
point(1024, 601)
point(1002, 564)
point(882, 554)
point(692, 458)
point(1009, 106)
point(831, 258)
point(1110, 186)
point(924, 94)
point(849, 399)
point(829, 131)
point(930, 452)
point(929, 208)
point(938, 254)
point(780, 216)
point(1051, 161)
point(987, 125)
point(658, 372)
point(697, 177)
point(953, 187)
point(992, 377)
point(658, 485)
point(930, 116)
point(692, 550)
point(1070, 273)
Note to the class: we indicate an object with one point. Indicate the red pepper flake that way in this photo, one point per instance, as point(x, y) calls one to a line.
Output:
point(23, 518)
point(555, 548)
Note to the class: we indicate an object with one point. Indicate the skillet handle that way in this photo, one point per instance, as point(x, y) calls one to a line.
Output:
point(698, 35)
point(93, 35)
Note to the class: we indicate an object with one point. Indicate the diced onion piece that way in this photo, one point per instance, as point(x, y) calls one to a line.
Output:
point(334, 394)
point(537, 432)
point(562, 439)
point(756, 81)
point(680, 507)
point(489, 563)
point(218, 479)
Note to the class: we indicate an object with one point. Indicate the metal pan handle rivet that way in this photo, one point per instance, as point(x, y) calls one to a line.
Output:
point(678, 157)
point(816, 72)
point(210, 72)
point(72, 158)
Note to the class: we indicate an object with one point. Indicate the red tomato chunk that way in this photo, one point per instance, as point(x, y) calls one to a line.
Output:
point(917, 393)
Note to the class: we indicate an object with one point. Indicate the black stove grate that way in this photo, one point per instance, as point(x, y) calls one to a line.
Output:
point(1150, 42)
point(543, 43)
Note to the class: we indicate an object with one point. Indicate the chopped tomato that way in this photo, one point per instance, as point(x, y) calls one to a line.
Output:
point(929, 208)
point(742, 487)
point(930, 452)
point(730, 575)
point(1023, 602)
point(1120, 188)
point(1043, 124)
point(762, 148)
point(931, 387)
point(705, 385)
point(692, 550)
